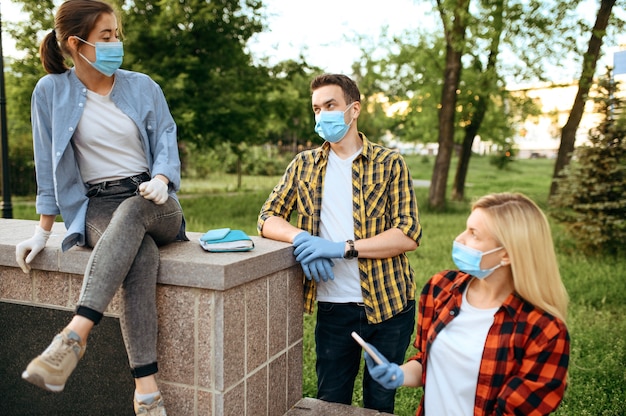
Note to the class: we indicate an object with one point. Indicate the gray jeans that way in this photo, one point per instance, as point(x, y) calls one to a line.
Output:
point(125, 231)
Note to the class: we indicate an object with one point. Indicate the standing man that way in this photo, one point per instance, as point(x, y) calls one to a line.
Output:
point(357, 217)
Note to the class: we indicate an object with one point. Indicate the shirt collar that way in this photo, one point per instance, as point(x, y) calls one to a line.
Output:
point(512, 304)
point(324, 150)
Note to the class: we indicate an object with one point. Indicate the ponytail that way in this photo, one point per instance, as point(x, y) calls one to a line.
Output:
point(51, 55)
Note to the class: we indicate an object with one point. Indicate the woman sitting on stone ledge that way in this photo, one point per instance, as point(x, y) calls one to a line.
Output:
point(107, 161)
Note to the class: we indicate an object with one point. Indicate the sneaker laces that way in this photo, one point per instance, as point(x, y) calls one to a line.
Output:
point(57, 355)
point(146, 409)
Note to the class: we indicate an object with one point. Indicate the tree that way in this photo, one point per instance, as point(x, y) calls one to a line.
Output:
point(290, 117)
point(568, 134)
point(455, 20)
point(196, 51)
point(590, 198)
point(487, 80)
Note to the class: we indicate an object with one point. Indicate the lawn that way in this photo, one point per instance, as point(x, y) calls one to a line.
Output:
point(596, 284)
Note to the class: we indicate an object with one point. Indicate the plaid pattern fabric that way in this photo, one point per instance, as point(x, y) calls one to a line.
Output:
point(524, 363)
point(383, 197)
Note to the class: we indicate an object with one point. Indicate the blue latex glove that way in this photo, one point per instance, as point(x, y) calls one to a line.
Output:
point(389, 375)
point(319, 269)
point(301, 238)
point(309, 249)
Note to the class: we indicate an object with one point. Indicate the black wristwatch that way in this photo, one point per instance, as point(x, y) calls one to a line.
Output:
point(351, 253)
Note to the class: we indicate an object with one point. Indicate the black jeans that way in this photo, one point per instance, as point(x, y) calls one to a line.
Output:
point(339, 356)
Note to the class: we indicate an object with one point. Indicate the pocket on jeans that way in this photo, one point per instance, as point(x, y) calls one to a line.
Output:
point(410, 307)
point(325, 307)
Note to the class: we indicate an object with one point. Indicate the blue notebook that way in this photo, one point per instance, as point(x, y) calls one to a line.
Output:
point(222, 240)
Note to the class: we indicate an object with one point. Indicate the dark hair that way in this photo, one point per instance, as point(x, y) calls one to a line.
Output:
point(74, 18)
point(350, 90)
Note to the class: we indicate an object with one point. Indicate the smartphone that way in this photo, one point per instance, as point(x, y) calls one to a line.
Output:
point(366, 347)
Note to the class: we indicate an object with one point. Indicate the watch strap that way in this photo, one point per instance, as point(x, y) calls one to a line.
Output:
point(352, 252)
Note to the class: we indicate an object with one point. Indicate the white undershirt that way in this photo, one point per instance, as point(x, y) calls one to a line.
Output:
point(337, 224)
point(106, 142)
point(454, 362)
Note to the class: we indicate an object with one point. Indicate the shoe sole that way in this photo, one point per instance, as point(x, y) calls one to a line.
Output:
point(38, 381)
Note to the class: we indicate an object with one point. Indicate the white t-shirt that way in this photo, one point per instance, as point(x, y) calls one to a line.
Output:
point(454, 362)
point(337, 224)
point(106, 142)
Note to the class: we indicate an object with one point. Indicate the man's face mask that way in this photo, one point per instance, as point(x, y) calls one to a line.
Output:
point(109, 56)
point(331, 125)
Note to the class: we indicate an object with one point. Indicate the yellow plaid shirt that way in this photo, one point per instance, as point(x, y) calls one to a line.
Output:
point(383, 197)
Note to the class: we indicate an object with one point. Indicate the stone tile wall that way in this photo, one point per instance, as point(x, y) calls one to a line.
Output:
point(230, 324)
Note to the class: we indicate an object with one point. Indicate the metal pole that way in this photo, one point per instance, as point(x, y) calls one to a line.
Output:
point(7, 208)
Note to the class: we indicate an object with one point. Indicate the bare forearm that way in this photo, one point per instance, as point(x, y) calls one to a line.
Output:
point(387, 244)
point(279, 229)
point(412, 373)
point(46, 221)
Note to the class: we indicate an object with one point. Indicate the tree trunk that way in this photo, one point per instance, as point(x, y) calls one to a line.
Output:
point(487, 79)
point(455, 39)
point(590, 59)
point(458, 190)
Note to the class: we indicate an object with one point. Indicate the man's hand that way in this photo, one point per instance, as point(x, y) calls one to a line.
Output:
point(309, 248)
point(389, 375)
point(27, 250)
point(155, 190)
point(319, 269)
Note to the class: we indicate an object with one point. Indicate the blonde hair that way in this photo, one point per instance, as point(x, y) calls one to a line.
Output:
point(523, 230)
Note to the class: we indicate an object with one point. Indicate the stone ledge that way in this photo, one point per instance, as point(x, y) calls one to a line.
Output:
point(315, 407)
point(182, 263)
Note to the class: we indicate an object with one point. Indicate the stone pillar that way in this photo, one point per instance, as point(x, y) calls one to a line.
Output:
point(230, 328)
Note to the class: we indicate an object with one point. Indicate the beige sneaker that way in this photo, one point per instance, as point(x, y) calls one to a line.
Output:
point(156, 408)
point(51, 369)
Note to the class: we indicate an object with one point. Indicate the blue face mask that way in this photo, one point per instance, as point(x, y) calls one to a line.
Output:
point(468, 260)
point(109, 56)
point(331, 125)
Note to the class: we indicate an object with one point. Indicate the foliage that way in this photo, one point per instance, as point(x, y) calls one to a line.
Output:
point(290, 119)
point(21, 75)
point(505, 156)
point(591, 193)
point(196, 51)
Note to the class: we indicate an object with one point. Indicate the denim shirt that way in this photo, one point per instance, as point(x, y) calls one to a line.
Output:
point(57, 105)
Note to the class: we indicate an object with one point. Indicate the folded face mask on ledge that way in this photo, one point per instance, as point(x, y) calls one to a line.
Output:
point(223, 240)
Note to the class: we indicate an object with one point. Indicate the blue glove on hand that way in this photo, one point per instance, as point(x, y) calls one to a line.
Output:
point(311, 248)
point(389, 375)
point(301, 238)
point(319, 268)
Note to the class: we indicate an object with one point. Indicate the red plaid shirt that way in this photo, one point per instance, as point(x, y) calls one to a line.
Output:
point(524, 363)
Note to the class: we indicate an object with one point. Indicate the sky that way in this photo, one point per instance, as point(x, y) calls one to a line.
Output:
point(319, 30)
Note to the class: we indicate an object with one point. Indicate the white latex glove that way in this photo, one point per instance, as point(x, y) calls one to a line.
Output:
point(155, 190)
point(27, 250)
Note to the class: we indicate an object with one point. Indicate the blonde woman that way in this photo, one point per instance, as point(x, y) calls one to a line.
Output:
point(491, 336)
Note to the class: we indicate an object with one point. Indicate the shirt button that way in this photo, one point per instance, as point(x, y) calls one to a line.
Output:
point(71, 129)
point(149, 127)
point(80, 104)
point(452, 312)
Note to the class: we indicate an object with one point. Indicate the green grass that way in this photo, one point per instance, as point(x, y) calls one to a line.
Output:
point(596, 284)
